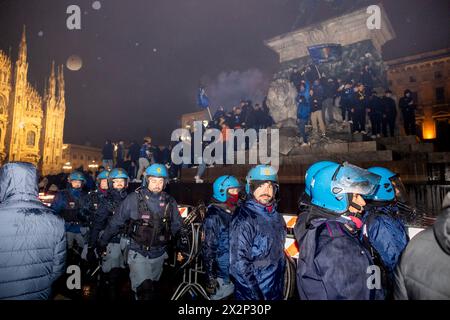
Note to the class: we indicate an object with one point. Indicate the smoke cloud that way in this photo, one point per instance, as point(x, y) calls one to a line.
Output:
point(231, 87)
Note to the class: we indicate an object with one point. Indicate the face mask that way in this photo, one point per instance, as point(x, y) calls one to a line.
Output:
point(232, 200)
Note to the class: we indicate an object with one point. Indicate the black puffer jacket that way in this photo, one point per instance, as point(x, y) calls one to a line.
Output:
point(32, 238)
point(424, 269)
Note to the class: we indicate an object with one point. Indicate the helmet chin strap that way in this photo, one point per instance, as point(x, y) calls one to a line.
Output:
point(353, 204)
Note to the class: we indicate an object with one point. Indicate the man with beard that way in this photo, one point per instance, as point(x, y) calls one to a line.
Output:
point(257, 236)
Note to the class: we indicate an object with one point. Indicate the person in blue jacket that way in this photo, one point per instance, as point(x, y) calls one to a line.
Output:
point(113, 261)
point(151, 217)
point(383, 230)
point(216, 246)
point(303, 115)
point(333, 264)
point(257, 237)
point(69, 204)
point(33, 242)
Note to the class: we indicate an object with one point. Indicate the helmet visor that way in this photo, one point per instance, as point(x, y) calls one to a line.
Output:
point(349, 178)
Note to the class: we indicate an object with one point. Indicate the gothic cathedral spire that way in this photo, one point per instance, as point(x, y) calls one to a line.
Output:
point(23, 47)
point(52, 82)
point(61, 85)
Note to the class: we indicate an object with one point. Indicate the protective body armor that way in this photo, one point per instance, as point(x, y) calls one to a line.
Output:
point(150, 229)
point(71, 212)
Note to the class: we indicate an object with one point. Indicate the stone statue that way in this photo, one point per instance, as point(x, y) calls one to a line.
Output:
point(281, 103)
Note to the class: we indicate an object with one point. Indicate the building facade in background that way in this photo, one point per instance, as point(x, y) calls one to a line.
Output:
point(75, 156)
point(31, 125)
point(427, 75)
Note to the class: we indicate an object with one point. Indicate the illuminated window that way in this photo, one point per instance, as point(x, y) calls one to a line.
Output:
point(31, 138)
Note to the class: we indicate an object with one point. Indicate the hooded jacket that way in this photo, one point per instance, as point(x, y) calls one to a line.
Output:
point(257, 258)
point(32, 238)
point(332, 263)
point(216, 246)
point(423, 272)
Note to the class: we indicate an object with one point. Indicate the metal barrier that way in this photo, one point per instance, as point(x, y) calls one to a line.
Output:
point(192, 267)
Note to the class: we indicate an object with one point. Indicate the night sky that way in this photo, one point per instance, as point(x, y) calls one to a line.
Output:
point(144, 59)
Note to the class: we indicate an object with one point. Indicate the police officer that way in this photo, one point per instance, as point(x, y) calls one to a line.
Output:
point(151, 216)
point(69, 204)
point(332, 262)
point(91, 201)
point(216, 246)
point(384, 232)
point(113, 260)
point(94, 198)
point(257, 236)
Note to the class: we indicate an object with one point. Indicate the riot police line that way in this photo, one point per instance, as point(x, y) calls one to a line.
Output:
point(350, 234)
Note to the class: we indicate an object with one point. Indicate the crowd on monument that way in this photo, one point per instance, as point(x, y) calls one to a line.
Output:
point(359, 102)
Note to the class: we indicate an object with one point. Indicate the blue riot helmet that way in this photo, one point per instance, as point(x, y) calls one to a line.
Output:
point(259, 175)
point(333, 187)
point(77, 176)
point(101, 176)
point(221, 186)
point(390, 187)
point(312, 170)
point(155, 170)
point(118, 173)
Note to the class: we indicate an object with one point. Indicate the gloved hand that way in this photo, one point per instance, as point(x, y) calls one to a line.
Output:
point(211, 286)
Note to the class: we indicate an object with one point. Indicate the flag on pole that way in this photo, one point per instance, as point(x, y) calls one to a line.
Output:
point(202, 98)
